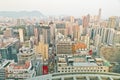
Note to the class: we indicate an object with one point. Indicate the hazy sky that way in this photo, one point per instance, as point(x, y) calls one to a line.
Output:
point(61, 7)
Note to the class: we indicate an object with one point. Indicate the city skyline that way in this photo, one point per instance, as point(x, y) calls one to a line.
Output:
point(64, 7)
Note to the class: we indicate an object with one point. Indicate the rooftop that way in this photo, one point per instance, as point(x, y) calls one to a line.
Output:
point(4, 42)
point(19, 66)
point(82, 61)
point(84, 64)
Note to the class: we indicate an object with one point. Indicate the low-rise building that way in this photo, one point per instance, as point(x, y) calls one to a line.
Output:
point(20, 71)
point(3, 65)
point(68, 64)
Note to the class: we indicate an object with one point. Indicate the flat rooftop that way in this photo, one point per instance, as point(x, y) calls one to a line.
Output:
point(84, 64)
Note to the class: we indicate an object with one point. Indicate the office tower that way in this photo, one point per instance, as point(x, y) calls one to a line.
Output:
point(21, 35)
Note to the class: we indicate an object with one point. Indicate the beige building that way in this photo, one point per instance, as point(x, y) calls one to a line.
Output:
point(21, 35)
point(112, 22)
point(42, 49)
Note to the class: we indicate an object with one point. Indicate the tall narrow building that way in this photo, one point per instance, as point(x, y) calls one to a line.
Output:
point(99, 15)
point(21, 35)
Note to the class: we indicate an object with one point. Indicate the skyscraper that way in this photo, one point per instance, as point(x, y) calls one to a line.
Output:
point(99, 15)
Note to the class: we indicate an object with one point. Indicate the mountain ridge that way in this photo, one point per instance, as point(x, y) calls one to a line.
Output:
point(17, 14)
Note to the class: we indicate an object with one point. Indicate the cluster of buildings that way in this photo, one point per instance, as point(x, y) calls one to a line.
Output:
point(35, 47)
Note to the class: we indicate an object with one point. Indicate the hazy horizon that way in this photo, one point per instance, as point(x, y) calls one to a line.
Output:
point(64, 7)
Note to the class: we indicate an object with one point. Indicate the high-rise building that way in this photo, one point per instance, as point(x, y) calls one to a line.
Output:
point(61, 28)
point(76, 32)
point(29, 31)
point(99, 15)
point(112, 22)
point(9, 49)
point(46, 34)
point(36, 34)
point(52, 32)
point(97, 40)
point(21, 35)
point(42, 49)
point(85, 23)
point(110, 36)
point(64, 47)
point(117, 38)
point(69, 30)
